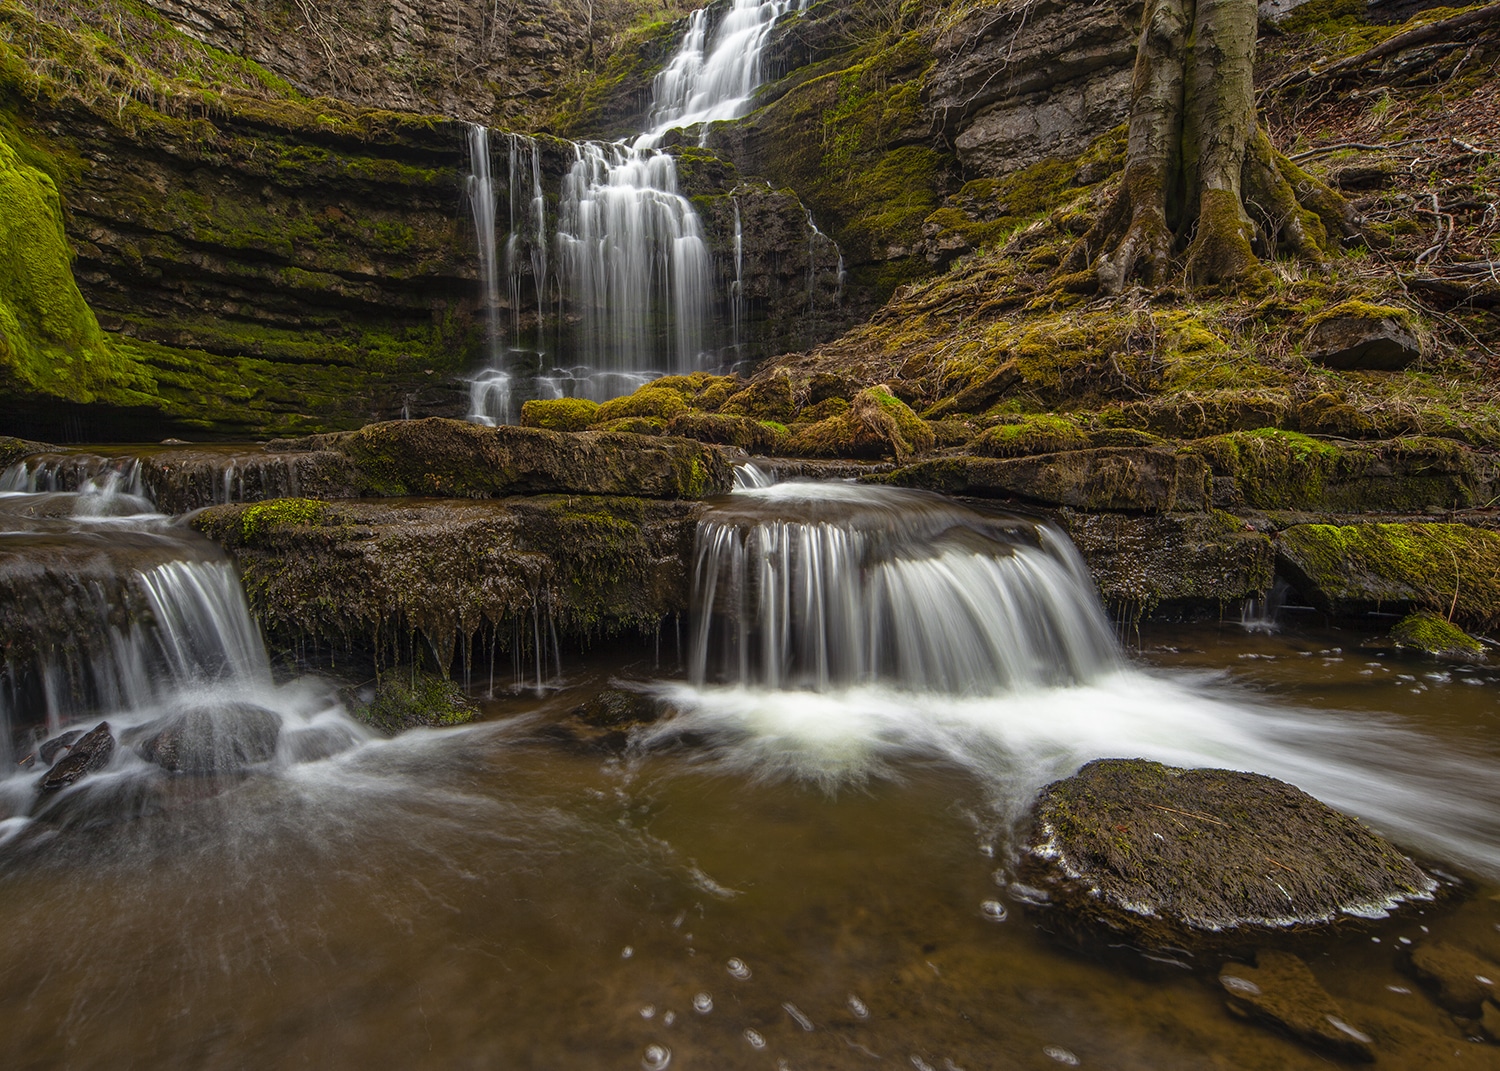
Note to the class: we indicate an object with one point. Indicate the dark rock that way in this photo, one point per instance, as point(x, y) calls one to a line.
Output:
point(376, 572)
point(1489, 1020)
point(1144, 480)
point(206, 740)
point(406, 699)
point(49, 751)
point(1145, 562)
point(90, 753)
point(1351, 569)
point(1462, 981)
point(1167, 857)
point(1281, 992)
point(1345, 342)
point(604, 721)
point(13, 450)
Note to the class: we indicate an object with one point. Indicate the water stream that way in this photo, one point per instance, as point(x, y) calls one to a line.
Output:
point(805, 862)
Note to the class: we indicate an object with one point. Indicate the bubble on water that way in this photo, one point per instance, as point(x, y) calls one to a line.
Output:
point(1000, 878)
point(754, 1038)
point(648, 1012)
point(626, 952)
point(1061, 1055)
point(994, 910)
point(656, 1058)
point(1242, 986)
point(1399, 989)
point(703, 1003)
point(796, 1013)
point(669, 1018)
point(858, 1007)
point(920, 1064)
point(738, 969)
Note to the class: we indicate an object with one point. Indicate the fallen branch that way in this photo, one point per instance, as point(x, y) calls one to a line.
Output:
point(1418, 35)
point(1324, 150)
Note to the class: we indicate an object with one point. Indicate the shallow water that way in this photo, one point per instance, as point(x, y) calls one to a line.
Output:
point(488, 897)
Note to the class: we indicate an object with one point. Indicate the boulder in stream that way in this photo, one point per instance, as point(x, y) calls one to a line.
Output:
point(208, 739)
point(1184, 858)
point(90, 752)
point(1461, 981)
point(409, 700)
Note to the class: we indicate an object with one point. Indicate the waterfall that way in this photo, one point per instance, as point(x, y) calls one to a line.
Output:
point(481, 187)
point(817, 585)
point(634, 256)
point(737, 294)
point(710, 80)
point(528, 228)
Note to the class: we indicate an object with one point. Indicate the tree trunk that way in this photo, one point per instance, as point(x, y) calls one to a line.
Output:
point(1200, 174)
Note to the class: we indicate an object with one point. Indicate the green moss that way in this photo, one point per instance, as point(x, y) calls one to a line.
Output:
point(1356, 309)
point(409, 700)
point(559, 414)
point(633, 425)
point(281, 513)
point(767, 399)
point(1046, 433)
point(1434, 635)
point(652, 400)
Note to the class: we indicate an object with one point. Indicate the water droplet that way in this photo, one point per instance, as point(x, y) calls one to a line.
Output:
point(703, 1004)
point(857, 1006)
point(648, 1012)
point(755, 1040)
point(994, 910)
point(626, 952)
point(738, 969)
point(656, 1058)
point(1061, 1055)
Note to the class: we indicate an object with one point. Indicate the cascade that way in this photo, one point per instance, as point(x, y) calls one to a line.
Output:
point(737, 293)
point(528, 228)
point(481, 188)
point(826, 585)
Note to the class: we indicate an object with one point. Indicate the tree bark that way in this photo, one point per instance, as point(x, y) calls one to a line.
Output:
point(1201, 176)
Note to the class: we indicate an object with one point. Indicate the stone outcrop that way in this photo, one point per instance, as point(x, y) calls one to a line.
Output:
point(1367, 341)
point(373, 577)
point(1350, 569)
point(1187, 858)
point(1016, 82)
point(1144, 479)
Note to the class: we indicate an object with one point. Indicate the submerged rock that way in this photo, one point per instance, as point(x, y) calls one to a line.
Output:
point(1164, 856)
point(1462, 981)
point(605, 719)
point(1281, 992)
point(214, 739)
point(89, 753)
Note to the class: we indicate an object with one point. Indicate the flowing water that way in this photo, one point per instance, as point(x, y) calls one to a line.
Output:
point(631, 260)
point(805, 863)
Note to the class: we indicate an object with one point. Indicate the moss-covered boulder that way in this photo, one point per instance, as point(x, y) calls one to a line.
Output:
point(750, 435)
point(1045, 433)
point(453, 458)
point(766, 399)
point(877, 424)
point(413, 699)
point(1183, 858)
point(13, 450)
point(652, 400)
point(1430, 634)
point(559, 414)
point(1137, 480)
point(1350, 569)
point(1358, 335)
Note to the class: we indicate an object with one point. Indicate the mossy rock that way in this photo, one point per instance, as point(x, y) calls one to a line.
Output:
point(1042, 434)
point(652, 400)
point(766, 399)
point(634, 425)
point(407, 700)
point(877, 424)
point(559, 414)
point(262, 518)
point(13, 450)
point(1166, 857)
point(752, 436)
point(1434, 635)
point(1351, 569)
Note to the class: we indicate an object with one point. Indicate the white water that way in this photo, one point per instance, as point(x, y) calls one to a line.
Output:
point(482, 204)
point(841, 632)
point(714, 74)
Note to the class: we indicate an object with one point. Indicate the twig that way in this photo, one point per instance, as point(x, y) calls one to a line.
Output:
point(1283, 866)
point(1323, 150)
point(1190, 814)
point(1456, 579)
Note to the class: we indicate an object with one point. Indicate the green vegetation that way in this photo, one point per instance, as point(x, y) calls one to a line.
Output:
point(262, 517)
point(1435, 635)
point(559, 414)
point(412, 699)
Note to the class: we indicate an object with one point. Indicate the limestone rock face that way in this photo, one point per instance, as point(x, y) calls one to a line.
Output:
point(1016, 83)
point(1164, 856)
